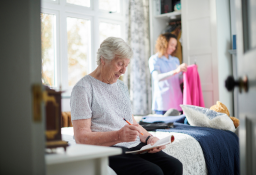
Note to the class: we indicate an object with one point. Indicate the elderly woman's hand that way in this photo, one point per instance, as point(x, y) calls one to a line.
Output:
point(152, 140)
point(182, 68)
point(129, 133)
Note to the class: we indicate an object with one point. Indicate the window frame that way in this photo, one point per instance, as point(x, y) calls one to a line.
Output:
point(65, 61)
point(56, 45)
point(62, 10)
point(120, 8)
point(112, 22)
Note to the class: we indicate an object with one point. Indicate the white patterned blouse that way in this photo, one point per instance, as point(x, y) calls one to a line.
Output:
point(106, 105)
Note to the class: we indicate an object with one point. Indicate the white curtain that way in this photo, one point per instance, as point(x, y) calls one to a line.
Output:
point(138, 76)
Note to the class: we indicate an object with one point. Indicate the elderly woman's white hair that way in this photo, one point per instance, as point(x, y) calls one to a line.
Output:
point(112, 47)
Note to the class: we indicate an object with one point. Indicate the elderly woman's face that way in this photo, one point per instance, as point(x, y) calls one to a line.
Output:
point(171, 46)
point(113, 69)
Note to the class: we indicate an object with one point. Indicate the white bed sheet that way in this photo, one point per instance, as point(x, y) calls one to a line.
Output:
point(187, 150)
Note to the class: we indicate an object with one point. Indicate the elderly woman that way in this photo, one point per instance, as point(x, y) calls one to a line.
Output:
point(167, 75)
point(99, 104)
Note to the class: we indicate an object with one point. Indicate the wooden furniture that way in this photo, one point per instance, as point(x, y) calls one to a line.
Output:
point(66, 119)
point(80, 159)
point(52, 100)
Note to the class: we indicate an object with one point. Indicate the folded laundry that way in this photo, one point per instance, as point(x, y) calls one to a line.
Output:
point(164, 119)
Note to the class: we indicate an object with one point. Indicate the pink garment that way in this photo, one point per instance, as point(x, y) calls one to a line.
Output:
point(192, 93)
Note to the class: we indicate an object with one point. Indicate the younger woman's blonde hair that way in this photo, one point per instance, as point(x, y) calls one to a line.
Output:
point(162, 43)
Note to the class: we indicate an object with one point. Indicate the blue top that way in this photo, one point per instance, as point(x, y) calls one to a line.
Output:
point(168, 93)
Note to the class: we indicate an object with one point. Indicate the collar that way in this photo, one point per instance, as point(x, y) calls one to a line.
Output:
point(165, 59)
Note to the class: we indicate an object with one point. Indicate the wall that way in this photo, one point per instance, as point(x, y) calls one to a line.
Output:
point(224, 44)
point(234, 57)
point(199, 35)
point(65, 104)
point(206, 37)
point(233, 17)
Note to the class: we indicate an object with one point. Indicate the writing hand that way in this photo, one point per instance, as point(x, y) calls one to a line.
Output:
point(129, 133)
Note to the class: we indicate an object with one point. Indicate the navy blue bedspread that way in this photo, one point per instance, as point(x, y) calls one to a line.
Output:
point(220, 148)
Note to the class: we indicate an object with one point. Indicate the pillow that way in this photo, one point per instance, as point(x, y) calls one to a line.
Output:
point(204, 117)
point(172, 112)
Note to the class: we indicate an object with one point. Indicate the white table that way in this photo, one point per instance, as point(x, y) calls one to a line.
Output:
point(80, 159)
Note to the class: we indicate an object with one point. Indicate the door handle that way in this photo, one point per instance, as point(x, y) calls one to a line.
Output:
point(37, 101)
point(231, 83)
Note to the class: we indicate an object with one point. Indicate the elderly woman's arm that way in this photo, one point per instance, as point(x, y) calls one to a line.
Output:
point(151, 139)
point(84, 135)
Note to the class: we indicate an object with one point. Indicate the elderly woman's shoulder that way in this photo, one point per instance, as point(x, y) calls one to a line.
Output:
point(120, 82)
point(84, 82)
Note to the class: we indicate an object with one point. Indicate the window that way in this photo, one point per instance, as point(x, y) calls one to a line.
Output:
point(72, 31)
point(48, 33)
point(85, 3)
point(109, 5)
point(78, 35)
point(108, 29)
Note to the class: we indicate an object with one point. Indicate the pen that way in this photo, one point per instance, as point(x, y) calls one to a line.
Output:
point(130, 124)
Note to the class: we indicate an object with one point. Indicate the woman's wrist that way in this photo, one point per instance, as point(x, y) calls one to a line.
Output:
point(176, 71)
point(148, 138)
point(118, 138)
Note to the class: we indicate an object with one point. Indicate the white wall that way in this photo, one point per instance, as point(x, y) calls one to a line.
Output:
point(65, 104)
point(233, 17)
point(234, 56)
point(207, 39)
point(199, 44)
point(224, 43)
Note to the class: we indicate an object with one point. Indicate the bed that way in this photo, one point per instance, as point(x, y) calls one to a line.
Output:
point(201, 150)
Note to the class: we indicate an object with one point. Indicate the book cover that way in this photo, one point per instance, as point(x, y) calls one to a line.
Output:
point(164, 141)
